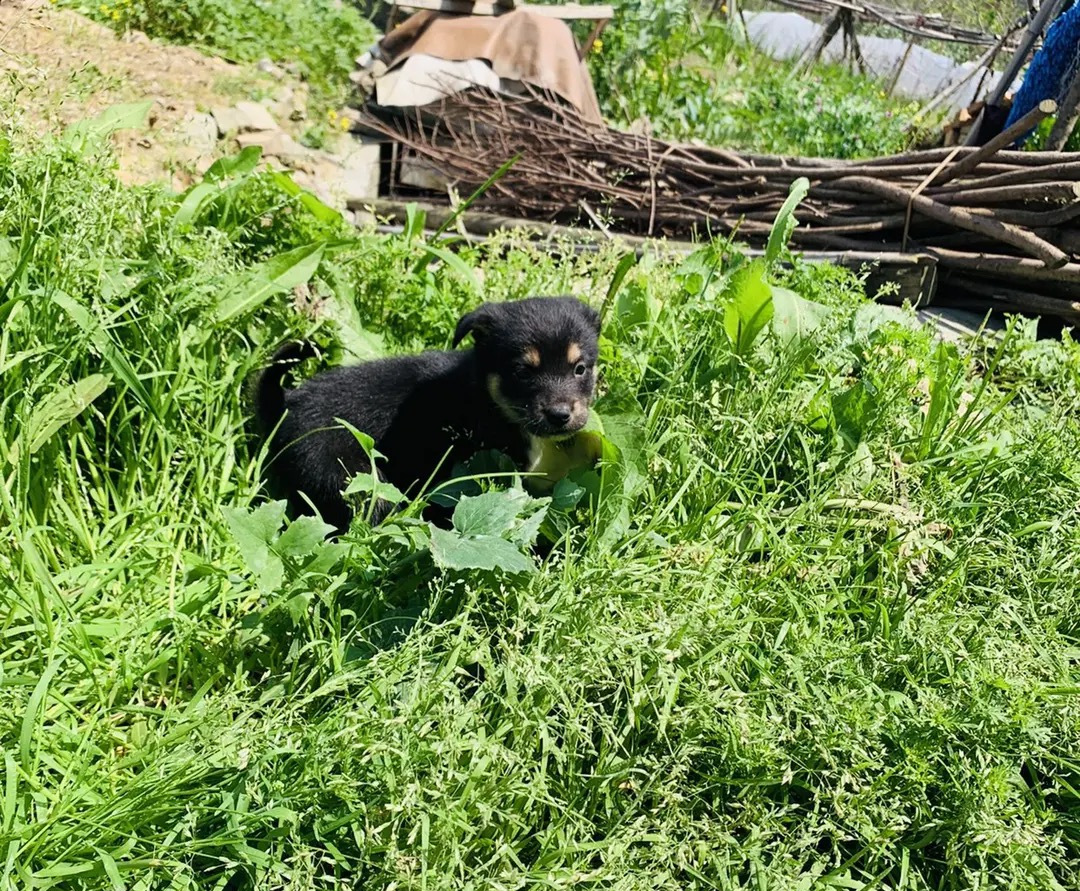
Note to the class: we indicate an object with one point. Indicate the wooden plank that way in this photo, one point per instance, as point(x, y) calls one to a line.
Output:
point(575, 11)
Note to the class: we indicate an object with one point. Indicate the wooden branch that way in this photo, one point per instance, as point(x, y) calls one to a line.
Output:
point(955, 216)
point(1067, 116)
point(1007, 137)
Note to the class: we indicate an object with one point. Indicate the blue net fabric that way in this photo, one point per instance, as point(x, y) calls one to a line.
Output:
point(1051, 69)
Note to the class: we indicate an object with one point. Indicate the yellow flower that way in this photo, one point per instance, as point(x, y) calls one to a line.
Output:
point(331, 115)
point(104, 9)
point(597, 46)
point(723, 9)
point(344, 123)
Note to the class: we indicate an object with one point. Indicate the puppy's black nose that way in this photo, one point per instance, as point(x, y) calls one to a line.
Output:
point(557, 415)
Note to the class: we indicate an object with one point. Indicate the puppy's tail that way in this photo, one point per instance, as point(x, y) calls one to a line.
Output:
point(270, 393)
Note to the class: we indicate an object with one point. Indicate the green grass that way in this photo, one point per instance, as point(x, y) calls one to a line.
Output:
point(829, 639)
point(692, 79)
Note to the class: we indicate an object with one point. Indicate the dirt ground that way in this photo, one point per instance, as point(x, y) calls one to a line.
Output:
point(57, 67)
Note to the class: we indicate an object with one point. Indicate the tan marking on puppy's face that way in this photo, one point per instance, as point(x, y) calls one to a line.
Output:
point(531, 355)
point(573, 353)
point(494, 388)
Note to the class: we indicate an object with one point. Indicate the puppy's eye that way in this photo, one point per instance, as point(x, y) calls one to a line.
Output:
point(580, 369)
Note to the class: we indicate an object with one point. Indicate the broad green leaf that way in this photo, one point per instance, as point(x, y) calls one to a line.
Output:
point(795, 317)
point(234, 165)
point(491, 513)
point(355, 339)
point(415, 218)
point(302, 537)
point(566, 495)
point(869, 317)
point(621, 271)
point(750, 309)
point(699, 269)
point(128, 116)
point(527, 528)
point(452, 550)
point(364, 483)
point(633, 308)
point(56, 410)
point(322, 212)
point(192, 203)
point(282, 273)
point(364, 439)
point(326, 558)
point(254, 531)
point(785, 221)
point(854, 410)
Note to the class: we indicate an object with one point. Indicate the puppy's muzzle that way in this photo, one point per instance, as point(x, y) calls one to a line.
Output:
point(561, 419)
point(558, 416)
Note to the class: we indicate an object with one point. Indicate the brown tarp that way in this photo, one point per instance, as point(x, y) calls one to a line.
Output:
point(520, 46)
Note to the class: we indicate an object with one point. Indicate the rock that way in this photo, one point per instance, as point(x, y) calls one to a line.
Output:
point(244, 117)
point(415, 173)
point(204, 163)
point(276, 143)
point(360, 173)
point(198, 130)
point(268, 67)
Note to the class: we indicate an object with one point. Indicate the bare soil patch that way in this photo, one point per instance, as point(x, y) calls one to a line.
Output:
point(57, 67)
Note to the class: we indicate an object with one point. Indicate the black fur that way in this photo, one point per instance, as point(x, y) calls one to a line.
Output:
point(521, 381)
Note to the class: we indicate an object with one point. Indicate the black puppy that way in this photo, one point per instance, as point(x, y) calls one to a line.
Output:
point(529, 379)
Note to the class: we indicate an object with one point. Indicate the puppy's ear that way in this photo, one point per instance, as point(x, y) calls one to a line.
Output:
point(592, 317)
point(476, 322)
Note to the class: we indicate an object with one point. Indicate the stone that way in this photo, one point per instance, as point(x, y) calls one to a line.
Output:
point(360, 173)
point(415, 173)
point(244, 117)
point(199, 131)
point(268, 67)
point(275, 143)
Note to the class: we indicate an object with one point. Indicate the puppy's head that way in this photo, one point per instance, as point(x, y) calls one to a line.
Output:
point(538, 360)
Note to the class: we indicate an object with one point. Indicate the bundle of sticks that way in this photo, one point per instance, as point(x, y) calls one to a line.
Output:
point(1003, 226)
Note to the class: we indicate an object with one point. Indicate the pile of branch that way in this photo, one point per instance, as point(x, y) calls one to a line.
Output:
point(1003, 226)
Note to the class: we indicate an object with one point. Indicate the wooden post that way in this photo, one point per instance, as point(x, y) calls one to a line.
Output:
point(900, 68)
point(1048, 11)
point(1067, 115)
point(853, 42)
point(828, 32)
